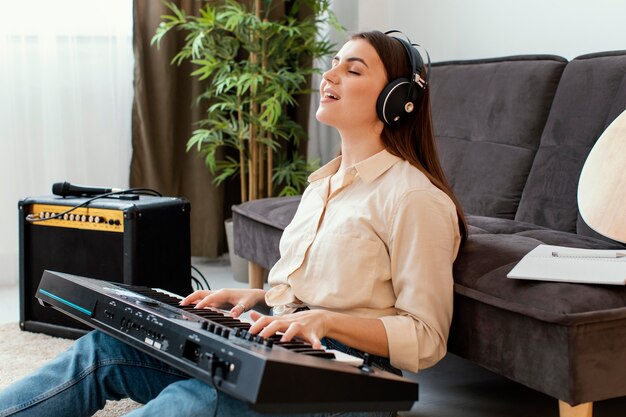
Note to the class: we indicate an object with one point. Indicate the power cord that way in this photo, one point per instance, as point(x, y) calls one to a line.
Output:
point(34, 217)
point(195, 280)
point(213, 367)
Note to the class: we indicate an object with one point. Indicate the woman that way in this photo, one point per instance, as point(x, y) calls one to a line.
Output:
point(366, 263)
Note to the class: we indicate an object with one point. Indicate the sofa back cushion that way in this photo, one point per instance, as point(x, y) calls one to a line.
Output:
point(488, 117)
point(591, 94)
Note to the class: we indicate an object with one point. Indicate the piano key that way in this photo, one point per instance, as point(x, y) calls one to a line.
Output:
point(321, 354)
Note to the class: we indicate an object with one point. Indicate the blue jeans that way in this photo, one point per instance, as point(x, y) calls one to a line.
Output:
point(98, 368)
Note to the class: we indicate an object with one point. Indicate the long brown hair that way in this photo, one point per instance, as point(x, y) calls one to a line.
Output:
point(412, 140)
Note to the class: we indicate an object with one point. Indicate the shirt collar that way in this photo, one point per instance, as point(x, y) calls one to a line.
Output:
point(376, 165)
point(325, 171)
point(369, 169)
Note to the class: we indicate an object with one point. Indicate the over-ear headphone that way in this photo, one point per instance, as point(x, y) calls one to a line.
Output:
point(403, 95)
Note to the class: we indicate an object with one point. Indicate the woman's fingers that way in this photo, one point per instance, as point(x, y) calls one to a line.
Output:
point(260, 322)
point(195, 297)
point(289, 326)
point(214, 299)
point(206, 298)
point(255, 315)
point(238, 310)
point(240, 299)
point(293, 330)
point(298, 330)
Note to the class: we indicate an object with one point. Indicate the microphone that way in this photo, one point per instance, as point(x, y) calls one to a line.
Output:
point(65, 189)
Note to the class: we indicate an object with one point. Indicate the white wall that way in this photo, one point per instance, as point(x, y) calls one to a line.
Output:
point(457, 29)
point(474, 29)
point(66, 71)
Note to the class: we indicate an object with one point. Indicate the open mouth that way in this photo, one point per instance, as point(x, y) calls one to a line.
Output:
point(331, 96)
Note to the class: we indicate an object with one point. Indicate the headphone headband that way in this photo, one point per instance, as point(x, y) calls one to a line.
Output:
point(415, 58)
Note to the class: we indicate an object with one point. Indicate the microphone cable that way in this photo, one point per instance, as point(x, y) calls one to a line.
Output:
point(31, 218)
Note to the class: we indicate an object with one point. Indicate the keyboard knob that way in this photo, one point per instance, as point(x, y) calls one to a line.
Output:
point(226, 333)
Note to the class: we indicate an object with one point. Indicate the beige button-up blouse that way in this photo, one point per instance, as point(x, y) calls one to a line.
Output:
point(381, 245)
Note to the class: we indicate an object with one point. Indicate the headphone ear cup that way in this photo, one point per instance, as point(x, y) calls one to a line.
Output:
point(391, 105)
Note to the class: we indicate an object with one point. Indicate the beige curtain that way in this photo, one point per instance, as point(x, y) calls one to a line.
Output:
point(164, 113)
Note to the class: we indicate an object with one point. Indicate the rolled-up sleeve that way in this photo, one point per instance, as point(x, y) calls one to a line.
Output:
point(424, 241)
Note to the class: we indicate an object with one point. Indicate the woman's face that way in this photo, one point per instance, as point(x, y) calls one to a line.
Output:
point(349, 89)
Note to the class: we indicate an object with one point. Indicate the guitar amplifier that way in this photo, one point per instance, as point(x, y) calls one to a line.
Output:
point(130, 239)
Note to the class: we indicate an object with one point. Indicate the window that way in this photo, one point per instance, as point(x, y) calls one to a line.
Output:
point(66, 90)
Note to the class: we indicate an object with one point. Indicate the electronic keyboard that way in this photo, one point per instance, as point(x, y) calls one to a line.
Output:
point(208, 344)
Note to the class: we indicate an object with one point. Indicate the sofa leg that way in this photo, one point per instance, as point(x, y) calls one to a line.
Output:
point(255, 275)
point(581, 410)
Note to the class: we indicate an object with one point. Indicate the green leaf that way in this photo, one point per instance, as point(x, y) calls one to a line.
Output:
point(218, 41)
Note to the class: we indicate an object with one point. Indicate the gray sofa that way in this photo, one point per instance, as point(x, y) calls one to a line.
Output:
point(513, 135)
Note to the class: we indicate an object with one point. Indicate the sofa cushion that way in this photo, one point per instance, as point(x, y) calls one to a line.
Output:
point(488, 117)
point(500, 226)
point(481, 268)
point(258, 226)
point(591, 94)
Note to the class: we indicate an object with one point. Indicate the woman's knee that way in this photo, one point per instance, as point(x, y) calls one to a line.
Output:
point(189, 397)
point(98, 346)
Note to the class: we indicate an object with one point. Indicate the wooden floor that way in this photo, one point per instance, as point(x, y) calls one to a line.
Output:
point(457, 388)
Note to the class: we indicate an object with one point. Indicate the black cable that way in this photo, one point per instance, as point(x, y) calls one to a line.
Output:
point(212, 365)
point(217, 400)
point(208, 287)
point(194, 280)
point(140, 191)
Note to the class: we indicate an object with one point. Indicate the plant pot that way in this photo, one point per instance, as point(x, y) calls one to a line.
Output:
point(238, 265)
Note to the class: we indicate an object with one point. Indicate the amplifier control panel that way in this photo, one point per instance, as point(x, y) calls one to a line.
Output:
point(106, 220)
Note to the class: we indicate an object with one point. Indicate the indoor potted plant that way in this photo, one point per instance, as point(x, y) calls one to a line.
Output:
point(255, 65)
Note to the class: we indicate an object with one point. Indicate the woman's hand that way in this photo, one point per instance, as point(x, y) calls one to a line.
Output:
point(240, 299)
point(310, 325)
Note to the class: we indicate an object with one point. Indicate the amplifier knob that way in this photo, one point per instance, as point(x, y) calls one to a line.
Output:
point(97, 219)
point(66, 216)
point(71, 217)
point(83, 218)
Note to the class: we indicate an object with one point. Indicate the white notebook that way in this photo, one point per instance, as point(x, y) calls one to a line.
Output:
point(560, 263)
